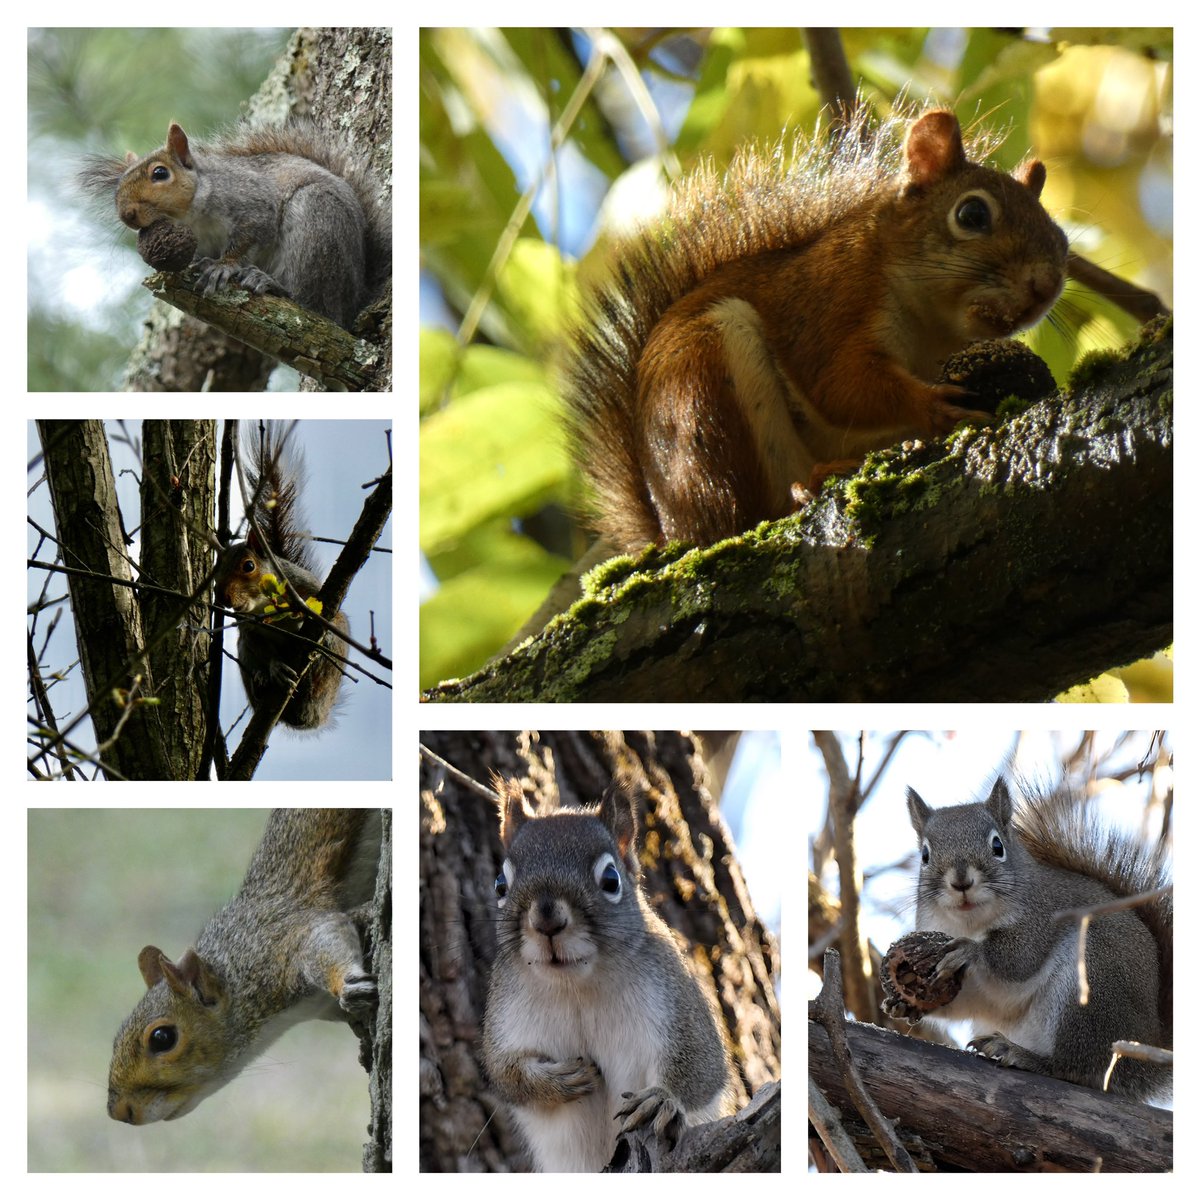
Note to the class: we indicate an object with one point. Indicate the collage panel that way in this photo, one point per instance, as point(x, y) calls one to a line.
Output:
point(210, 599)
point(991, 930)
point(267, 919)
point(600, 956)
point(800, 366)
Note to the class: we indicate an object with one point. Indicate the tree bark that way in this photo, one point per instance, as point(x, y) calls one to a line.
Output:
point(1004, 565)
point(377, 1153)
point(689, 872)
point(960, 1112)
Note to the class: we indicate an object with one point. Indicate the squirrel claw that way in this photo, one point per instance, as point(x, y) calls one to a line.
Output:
point(655, 1107)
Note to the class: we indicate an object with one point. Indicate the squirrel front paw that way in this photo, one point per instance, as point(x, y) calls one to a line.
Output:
point(572, 1079)
point(900, 1010)
point(656, 1108)
point(959, 953)
point(359, 994)
point(216, 273)
point(943, 414)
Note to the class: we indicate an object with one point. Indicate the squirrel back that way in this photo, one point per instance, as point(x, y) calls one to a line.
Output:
point(779, 321)
point(290, 209)
point(283, 950)
point(589, 998)
point(993, 876)
point(269, 651)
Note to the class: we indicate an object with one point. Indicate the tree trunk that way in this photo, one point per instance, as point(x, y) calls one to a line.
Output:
point(690, 874)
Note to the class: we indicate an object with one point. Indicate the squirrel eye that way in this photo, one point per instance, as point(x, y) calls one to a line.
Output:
point(159, 174)
point(162, 1039)
point(504, 882)
point(925, 854)
point(608, 878)
point(974, 215)
point(248, 565)
point(996, 845)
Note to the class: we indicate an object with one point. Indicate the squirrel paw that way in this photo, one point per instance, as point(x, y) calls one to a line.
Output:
point(943, 414)
point(997, 1048)
point(959, 953)
point(214, 273)
point(900, 1010)
point(572, 1079)
point(359, 994)
point(656, 1108)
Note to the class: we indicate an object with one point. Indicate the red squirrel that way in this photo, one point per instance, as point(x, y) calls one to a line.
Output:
point(782, 321)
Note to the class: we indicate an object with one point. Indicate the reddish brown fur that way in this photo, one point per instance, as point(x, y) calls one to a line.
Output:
point(796, 315)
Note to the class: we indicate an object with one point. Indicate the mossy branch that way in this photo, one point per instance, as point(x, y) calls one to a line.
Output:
point(1004, 565)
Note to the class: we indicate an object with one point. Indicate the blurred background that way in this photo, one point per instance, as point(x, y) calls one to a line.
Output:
point(103, 883)
point(86, 302)
point(497, 491)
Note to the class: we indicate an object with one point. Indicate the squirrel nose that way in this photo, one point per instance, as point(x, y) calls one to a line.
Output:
point(122, 1110)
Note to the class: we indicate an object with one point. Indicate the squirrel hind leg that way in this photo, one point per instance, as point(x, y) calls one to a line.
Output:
point(327, 273)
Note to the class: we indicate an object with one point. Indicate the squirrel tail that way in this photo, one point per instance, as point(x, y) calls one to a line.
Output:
point(1056, 830)
point(275, 477)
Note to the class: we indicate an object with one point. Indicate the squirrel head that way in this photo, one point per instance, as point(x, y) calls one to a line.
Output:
point(160, 185)
point(973, 864)
point(172, 1050)
point(972, 248)
point(569, 883)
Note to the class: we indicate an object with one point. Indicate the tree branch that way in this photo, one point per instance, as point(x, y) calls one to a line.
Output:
point(1005, 565)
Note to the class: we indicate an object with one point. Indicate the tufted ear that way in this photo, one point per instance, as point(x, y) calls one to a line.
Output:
point(514, 808)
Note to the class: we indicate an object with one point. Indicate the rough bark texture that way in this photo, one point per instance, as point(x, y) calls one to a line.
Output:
point(689, 872)
point(1006, 565)
point(959, 1112)
point(120, 637)
point(343, 79)
point(377, 1153)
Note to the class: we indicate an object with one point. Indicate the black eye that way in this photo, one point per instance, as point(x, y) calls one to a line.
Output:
point(159, 174)
point(610, 880)
point(997, 846)
point(162, 1039)
point(974, 215)
point(501, 886)
point(248, 566)
point(925, 853)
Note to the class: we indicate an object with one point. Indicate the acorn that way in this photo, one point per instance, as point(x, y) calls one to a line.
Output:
point(909, 968)
point(167, 246)
point(994, 370)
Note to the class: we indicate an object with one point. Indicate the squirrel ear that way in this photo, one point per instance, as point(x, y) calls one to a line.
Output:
point(150, 966)
point(619, 815)
point(932, 149)
point(514, 809)
point(191, 978)
point(130, 158)
point(177, 143)
point(1000, 802)
point(1032, 174)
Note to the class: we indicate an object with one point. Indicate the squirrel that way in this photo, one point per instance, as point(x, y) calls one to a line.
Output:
point(270, 652)
point(992, 876)
point(594, 1025)
point(285, 949)
point(782, 322)
point(289, 210)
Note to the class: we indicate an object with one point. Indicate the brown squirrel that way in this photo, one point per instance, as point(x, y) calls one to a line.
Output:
point(289, 210)
point(270, 652)
point(782, 322)
point(285, 949)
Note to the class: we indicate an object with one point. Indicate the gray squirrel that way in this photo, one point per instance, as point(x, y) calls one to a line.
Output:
point(270, 650)
point(993, 875)
point(286, 209)
point(285, 949)
point(594, 1024)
